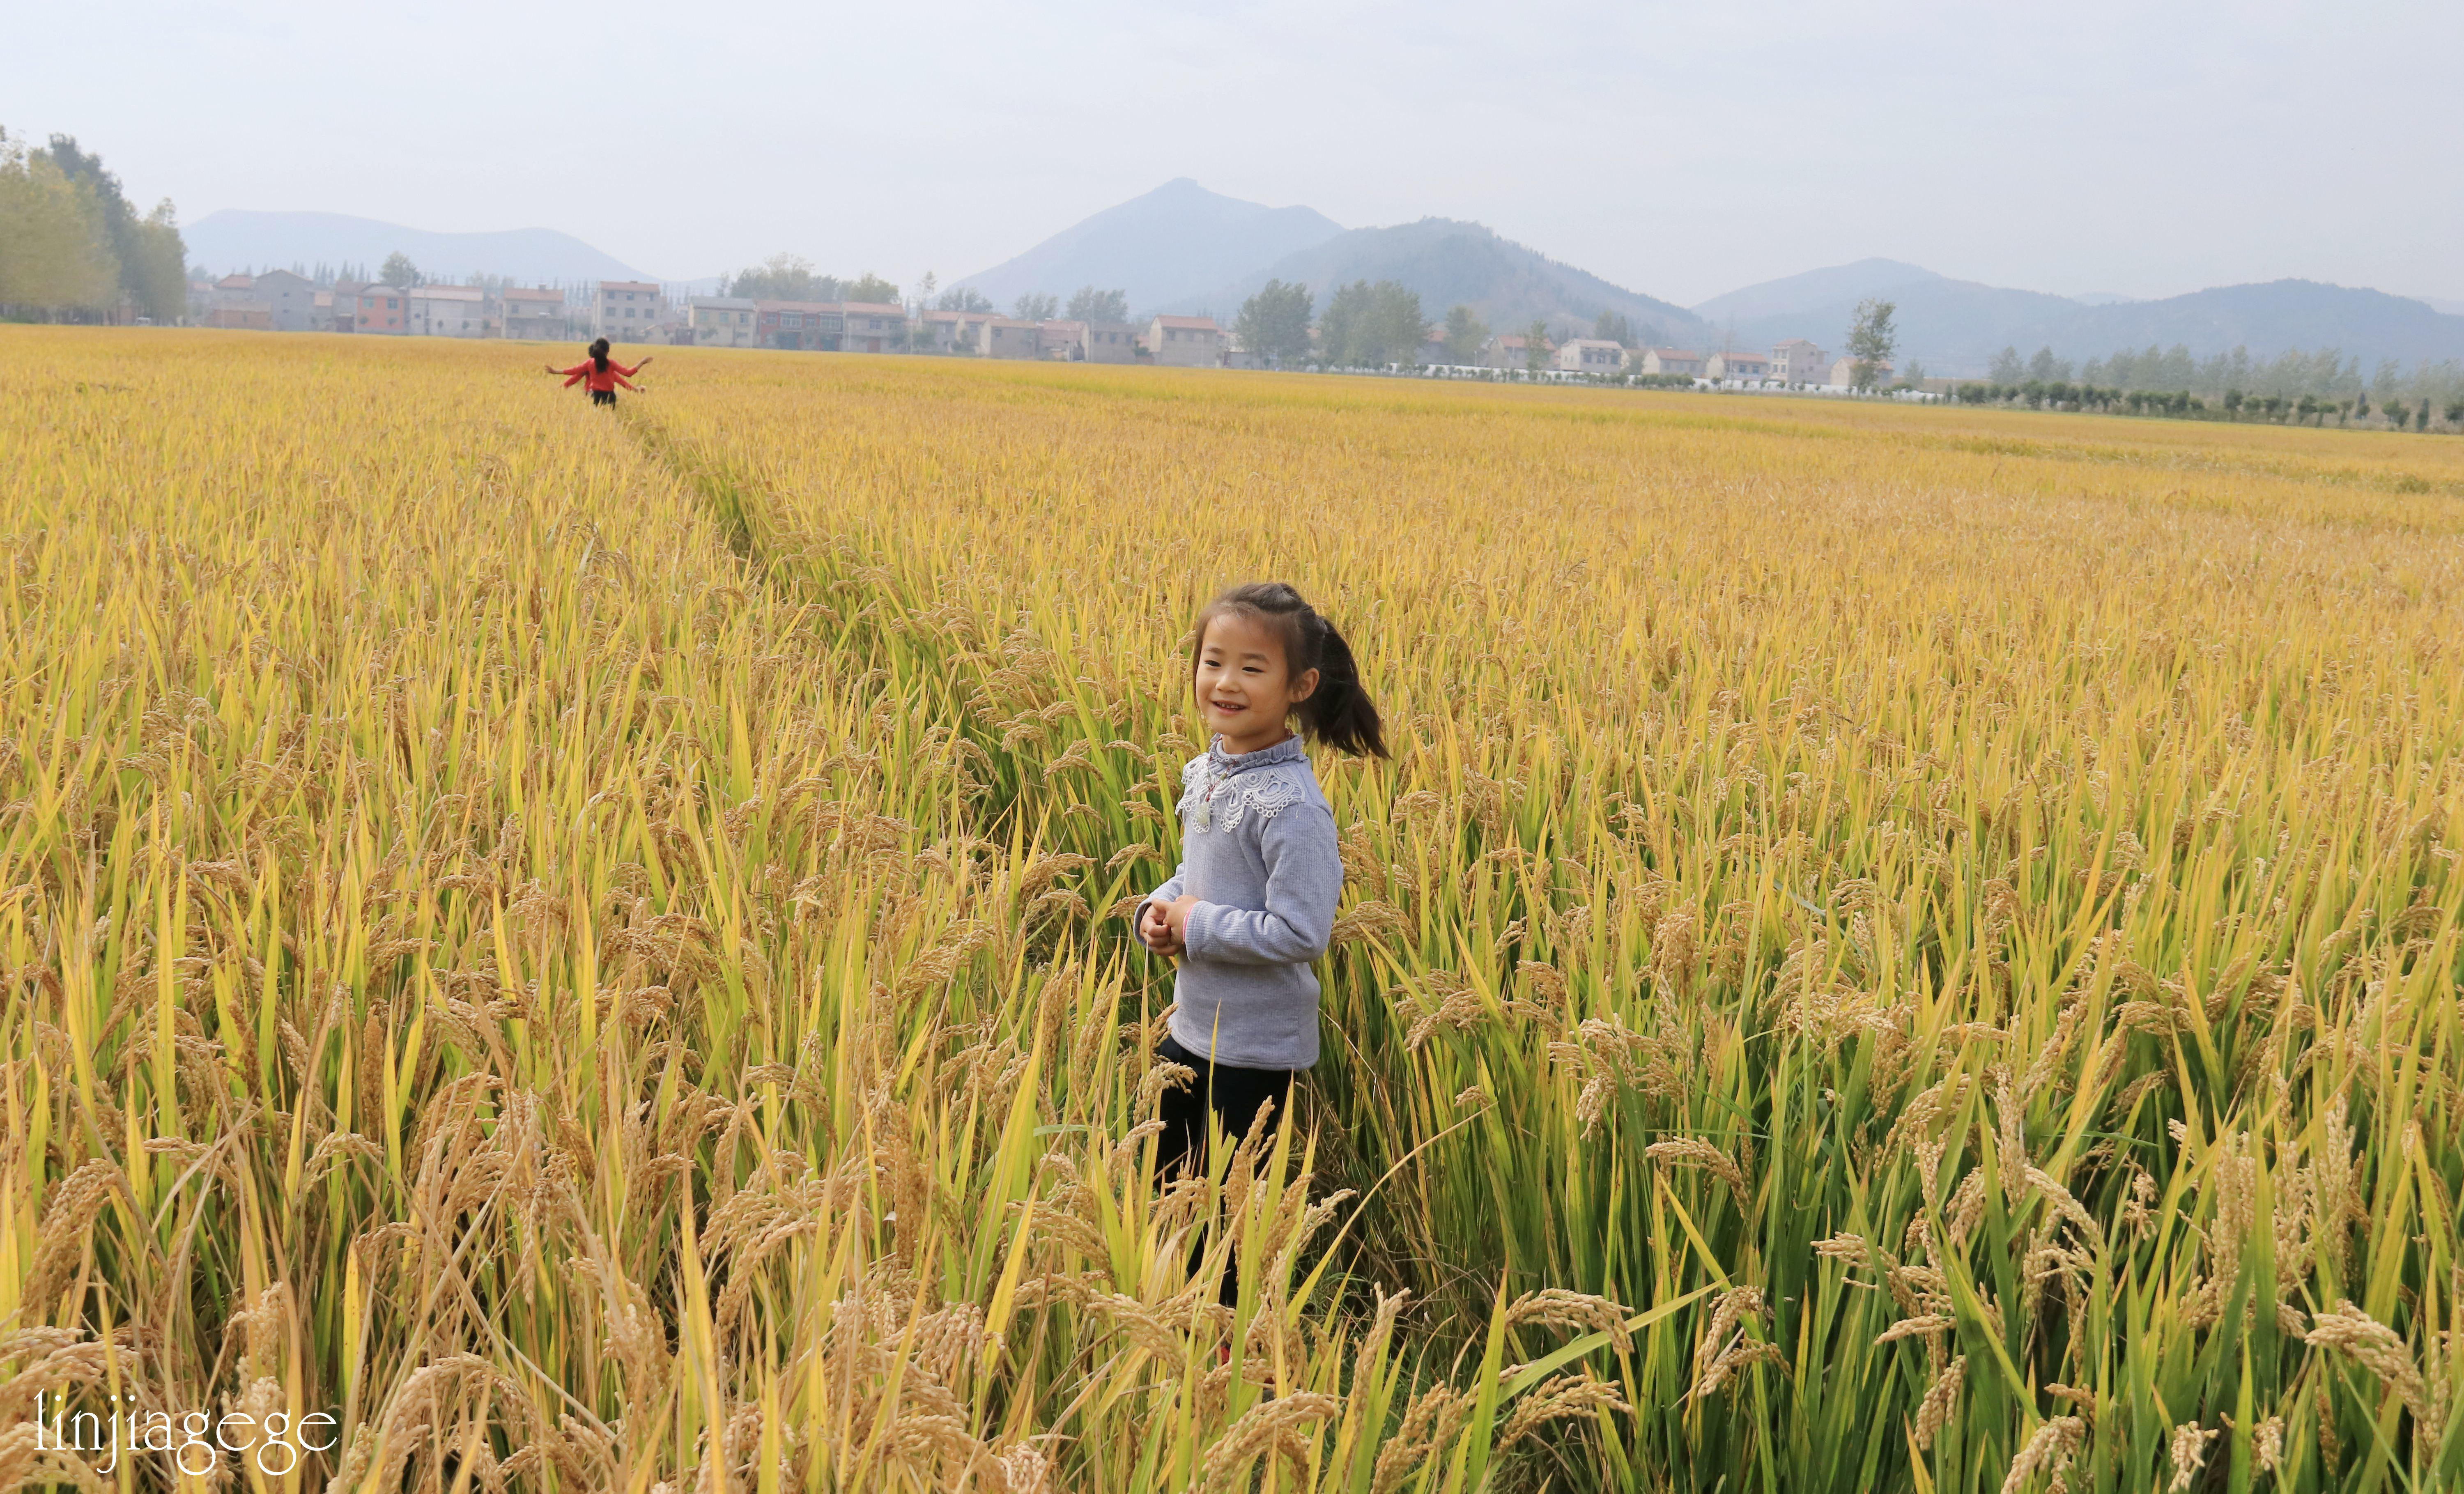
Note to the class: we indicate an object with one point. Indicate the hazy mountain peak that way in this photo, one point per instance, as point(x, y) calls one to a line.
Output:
point(1814, 288)
point(242, 239)
point(1159, 246)
point(1449, 262)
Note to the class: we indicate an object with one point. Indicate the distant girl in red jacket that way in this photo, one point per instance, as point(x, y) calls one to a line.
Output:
point(603, 373)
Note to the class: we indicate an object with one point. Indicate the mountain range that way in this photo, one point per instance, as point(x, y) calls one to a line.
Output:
point(239, 240)
point(1450, 263)
point(1956, 326)
point(1161, 248)
point(1181, 248)
point(1951, 325)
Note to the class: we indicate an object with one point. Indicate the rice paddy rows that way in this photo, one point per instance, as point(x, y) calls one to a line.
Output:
point(1901, 949)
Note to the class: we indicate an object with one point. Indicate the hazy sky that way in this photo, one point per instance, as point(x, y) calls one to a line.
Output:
point(1680, 149)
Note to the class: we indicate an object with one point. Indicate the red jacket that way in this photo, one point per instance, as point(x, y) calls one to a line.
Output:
point(606, 379)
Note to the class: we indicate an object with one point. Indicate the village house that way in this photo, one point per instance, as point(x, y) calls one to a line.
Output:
point(722, 321)
point(235, 303)
point(1799, 361)
point(343, 307)
point(1843, 374)
point(951, 331)
point(382, 308)
point(1513, 350)
point(1730, 366)
point(447, 311)
point(1673, 361)
point(1185, 342)
point(535, 314)
point(872, 327)
point(1433, 346)
point(1060, 340)
point(1107, 342)
point(798, 325)
point(1006, 337)
point(290, 299)
point(1592, 356)
point(623, 309)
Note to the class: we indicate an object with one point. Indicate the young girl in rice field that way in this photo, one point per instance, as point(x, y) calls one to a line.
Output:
point(603, 373)
point(1253, 902)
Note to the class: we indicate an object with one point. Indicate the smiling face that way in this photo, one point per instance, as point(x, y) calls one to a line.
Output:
point(1245, 689)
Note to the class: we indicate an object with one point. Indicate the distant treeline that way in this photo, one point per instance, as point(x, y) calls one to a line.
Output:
point(72, 249)
point(2323, 376)
point(2400, 412)
point(791, 277)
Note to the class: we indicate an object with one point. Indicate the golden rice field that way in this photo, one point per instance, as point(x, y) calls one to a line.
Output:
point(1900, 948)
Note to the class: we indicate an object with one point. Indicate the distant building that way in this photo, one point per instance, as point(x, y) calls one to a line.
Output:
point(872, 327)
point(1592, 356)
point(235, 303)
point(537, 314)
point(447, 311)
point(382, 308)
point(1433, 346)
point(1063, 341)
point(723, 320)
point(1730, 366)
point(622, 309)
point(1799, 361)
point(1843, 374)
point(1513, 350)
point(1006, 337)
point(1672, 360)
point(290, 299)
point(1107, 342)
point(810, 326)
point(951, 331)
point(1185, 342)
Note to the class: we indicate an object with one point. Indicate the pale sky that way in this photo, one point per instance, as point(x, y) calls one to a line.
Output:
point(1679, 149)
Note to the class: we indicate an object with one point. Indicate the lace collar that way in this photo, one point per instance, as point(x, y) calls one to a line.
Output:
point(1211, 801)
point(1225, 764)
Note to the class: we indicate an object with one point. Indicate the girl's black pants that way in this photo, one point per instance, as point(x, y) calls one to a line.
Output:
point(1233, 1096)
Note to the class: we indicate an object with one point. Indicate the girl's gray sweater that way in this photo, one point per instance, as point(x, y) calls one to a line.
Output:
point(1257, 850)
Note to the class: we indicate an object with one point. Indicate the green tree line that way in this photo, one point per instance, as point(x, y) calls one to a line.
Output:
point(2400, 412)
point(2326, 377)
point(791, 277)
point(73, 247)
point(1367, 324)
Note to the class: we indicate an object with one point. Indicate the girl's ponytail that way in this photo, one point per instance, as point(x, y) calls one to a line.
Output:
point(1339, 712)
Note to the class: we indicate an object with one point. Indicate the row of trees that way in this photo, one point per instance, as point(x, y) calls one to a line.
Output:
point(73, 247)
point(2414, 413)
point(1365, 325)
point(791, 277)
point(1085, 304)
point(2326, 377)
point(398, 271)
point(1369, 325)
